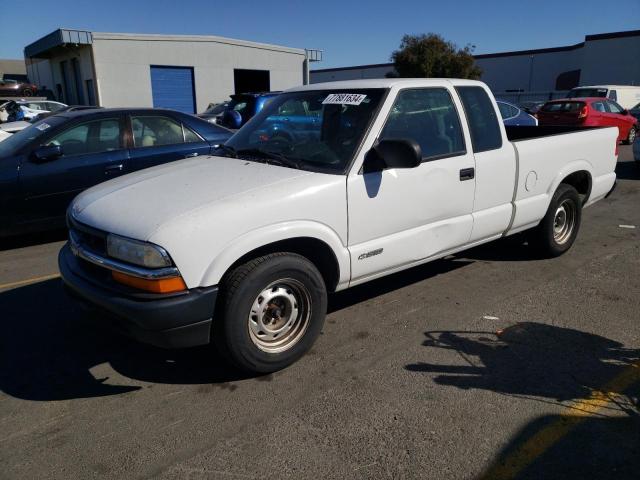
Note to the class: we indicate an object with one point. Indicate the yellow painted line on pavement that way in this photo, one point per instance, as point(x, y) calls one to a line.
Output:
point(510, 466)
point(29, 281)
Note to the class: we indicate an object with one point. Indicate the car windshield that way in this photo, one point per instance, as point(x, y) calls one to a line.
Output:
point(587, 92)
point(636, 107)
point(316, 130)
point(216, 109)
point(21, 138)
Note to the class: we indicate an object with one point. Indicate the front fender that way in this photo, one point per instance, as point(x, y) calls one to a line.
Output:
point(262, 236)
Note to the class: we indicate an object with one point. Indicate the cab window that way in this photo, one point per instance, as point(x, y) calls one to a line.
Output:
point(154, 131)
point(482, 118)
point(428, 116)
point(90, 137)
point(614, 107)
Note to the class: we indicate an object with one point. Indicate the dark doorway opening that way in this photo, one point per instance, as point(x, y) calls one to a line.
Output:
point(251, 81)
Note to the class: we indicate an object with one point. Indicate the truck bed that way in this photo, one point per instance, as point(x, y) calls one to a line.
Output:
point(543, 156)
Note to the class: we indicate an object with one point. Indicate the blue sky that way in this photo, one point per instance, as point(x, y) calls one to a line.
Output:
point(350, 33)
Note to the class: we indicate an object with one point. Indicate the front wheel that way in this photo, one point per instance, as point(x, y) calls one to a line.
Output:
point(558, 229)
point(632, 136)
point(271, 312)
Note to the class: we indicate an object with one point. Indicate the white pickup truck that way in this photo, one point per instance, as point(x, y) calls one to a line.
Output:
point(329, 186)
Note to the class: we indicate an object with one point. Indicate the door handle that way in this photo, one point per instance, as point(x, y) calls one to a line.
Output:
point(113, 168)
point(191, 155)
point(467, 174)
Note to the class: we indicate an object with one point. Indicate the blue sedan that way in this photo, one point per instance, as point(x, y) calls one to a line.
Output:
point(513, 116)
point(48, 163)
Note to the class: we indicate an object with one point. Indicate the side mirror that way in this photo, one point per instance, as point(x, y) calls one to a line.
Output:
point(625, 112)
point(232, 119)
point(45, 153)
point(393, 153)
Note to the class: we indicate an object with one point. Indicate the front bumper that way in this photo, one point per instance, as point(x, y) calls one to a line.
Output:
point(164, 320)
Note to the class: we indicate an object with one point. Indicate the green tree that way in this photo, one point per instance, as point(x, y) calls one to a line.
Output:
point(430, 55)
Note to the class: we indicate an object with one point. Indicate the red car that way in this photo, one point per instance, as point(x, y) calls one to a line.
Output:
point(590, 112)
point(14, 88)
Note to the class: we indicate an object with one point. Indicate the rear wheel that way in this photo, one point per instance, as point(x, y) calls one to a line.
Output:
point(632, 136)
point(27, 93)
point(271, 312)
point(558, 229)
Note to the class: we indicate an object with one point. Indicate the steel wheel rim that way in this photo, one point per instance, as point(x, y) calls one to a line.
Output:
point(279, 315)
point(564, 222)
point(632, 135)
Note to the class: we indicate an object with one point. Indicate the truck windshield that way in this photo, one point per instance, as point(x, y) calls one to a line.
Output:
point(316, 130)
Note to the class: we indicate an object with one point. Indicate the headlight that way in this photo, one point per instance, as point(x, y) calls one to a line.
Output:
point(138, 253)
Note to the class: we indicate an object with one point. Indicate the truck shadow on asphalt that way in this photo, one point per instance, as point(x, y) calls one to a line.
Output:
point(628, 170)
point(30, 239)
point(48, 346)
point(560, 366)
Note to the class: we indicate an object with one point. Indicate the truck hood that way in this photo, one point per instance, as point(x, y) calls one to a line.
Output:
point(138, 204)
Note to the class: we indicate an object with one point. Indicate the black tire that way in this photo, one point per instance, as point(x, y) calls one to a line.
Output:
point(632, 136)
point(296, 286)
point(27, 92)
point(549, 237)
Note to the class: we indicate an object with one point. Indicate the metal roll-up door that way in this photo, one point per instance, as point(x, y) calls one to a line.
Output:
point(172, 87)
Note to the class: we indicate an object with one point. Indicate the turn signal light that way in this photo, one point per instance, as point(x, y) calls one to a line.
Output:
point(161, 285)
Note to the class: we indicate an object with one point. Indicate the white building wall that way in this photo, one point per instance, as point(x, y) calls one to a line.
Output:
point(39, 72)
point(123, 64)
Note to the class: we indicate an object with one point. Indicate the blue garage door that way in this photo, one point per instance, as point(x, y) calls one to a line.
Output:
point(172, 87)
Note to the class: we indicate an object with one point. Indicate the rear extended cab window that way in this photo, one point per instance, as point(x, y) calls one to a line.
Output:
point(481, 116)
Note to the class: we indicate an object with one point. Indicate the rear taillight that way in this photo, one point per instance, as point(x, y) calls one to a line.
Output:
point(584, 112)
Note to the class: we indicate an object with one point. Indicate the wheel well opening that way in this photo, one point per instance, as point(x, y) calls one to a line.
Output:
point(316, 251)
point(581, 181)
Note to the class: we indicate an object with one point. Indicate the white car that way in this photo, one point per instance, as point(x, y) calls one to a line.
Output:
point(368, 178)
point(624, 95)
point(13, 127)
point(4, 135)
point(33, 108)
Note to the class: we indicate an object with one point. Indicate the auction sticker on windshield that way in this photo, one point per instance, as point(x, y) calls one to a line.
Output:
point(344, 99)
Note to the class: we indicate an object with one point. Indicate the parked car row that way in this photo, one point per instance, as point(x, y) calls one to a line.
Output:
point(590, 112)
point(239, 110)
point(43, 166)
point(13, 88)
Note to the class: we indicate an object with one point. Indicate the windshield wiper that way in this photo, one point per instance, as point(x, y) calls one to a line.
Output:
point(273, 158)
point(228, 149)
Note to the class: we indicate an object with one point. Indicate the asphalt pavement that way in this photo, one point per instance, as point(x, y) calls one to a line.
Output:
point(491, 364)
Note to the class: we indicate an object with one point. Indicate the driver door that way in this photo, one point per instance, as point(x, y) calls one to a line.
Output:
point(400, 216)
point(92, 152)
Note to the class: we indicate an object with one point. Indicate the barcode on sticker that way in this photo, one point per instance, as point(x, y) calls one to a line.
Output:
point(344, 99)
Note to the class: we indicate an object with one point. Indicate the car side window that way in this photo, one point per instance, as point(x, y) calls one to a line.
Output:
point(189, 135)
point(156, 130)
point(614, 107)
point(483, 122)
point(90, 137)
point(599, 106)
point(428, 116)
